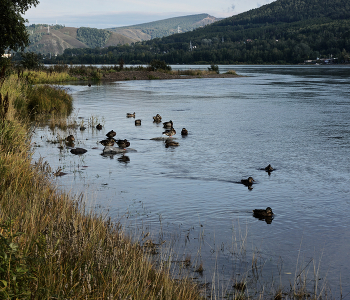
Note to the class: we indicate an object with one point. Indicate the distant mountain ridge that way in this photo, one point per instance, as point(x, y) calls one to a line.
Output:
point(158, 29)
point(55, 39)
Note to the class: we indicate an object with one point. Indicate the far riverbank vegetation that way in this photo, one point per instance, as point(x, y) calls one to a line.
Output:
point(33, 71)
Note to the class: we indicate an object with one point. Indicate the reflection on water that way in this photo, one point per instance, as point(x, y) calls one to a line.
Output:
point(294, 118)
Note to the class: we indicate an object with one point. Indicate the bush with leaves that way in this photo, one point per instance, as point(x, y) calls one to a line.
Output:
point(158, 65)
point(31, 61)
point(214, 68)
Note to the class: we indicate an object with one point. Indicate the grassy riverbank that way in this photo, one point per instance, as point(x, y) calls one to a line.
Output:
point(63, 73)
point(51, 247)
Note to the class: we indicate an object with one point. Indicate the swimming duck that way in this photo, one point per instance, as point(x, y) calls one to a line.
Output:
point(262, 213)
point(269, 168)
point(157, 118)
point(99, 126)
point(170, 143)
point(168, 124)
point(123, 143)
point(248, 182)
point(184, 131)
point(130, 115)
point(138, 122)
point(107, 142)
point(170, 132)
point(111, 134)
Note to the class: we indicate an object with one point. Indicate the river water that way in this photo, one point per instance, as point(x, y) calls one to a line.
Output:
point(296, 118)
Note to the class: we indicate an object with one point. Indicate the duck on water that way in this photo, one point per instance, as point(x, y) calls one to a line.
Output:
point(248, 182)
point(264, 214)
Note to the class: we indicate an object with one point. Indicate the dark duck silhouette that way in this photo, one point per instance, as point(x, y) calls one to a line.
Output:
point(123, 143)
point(168, 124)
point(111, 134)
point(99, 126)
point(248, 182)
point(269, 169)
point(138, 122)
point(157, 118)
point(130, 115)
point(70, 141)
point(184, 131)
point(264, 214)
point(170, 132)
point(107, 142)
point(70, 138)
point(171, 143)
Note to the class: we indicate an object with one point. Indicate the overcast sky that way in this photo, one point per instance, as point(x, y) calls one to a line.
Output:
point(112, 13)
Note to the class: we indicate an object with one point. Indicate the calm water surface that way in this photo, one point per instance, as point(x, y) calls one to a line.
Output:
point(295, 118)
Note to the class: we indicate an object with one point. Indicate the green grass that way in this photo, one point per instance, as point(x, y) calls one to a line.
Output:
point(35, 77)
point(51, 246)
point(47, 99)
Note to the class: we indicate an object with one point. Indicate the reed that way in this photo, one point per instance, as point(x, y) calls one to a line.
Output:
point(54, 248)
point(46, 99)
point(47, 76)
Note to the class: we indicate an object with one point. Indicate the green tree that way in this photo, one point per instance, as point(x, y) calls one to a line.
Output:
point(31, 61)
point(13, 33)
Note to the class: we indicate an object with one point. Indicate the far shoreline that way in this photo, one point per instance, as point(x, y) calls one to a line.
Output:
point(157, 75)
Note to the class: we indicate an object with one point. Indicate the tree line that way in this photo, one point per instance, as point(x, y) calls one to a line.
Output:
point(273, 44)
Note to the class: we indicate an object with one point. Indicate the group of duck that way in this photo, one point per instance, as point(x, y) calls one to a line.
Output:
point(169, 132)
point(110, 141)
point(261, 214)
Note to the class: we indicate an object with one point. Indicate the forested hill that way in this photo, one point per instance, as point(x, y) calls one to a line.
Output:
point(284, 31)
point(289, 11)
point(157, 29)
point(55, 39)
point(277, 19)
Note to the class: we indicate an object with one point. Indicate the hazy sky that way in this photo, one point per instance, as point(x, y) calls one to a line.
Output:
point(109, 13)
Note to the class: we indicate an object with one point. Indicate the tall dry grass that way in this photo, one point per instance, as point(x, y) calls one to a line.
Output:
point(47, 76)
point(51, 247)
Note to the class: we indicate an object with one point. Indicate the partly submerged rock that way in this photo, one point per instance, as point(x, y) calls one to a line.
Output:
point(78, 151)
point(116, 150)
point(162, 138)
